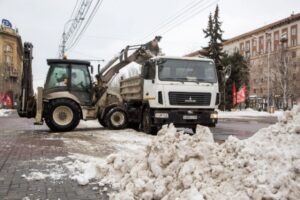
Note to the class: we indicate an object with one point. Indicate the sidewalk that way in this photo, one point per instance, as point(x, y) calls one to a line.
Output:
point(19, 145)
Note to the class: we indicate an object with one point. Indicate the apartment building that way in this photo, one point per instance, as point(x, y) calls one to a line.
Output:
point(273, 52)
point(10, 63)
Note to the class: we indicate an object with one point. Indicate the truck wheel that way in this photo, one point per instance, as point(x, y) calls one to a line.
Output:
point(102, 122)
point(116, 118)
point(146, 123)
point(62, 115)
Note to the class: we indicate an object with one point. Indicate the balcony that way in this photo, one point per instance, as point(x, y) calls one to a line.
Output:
point(13, 74)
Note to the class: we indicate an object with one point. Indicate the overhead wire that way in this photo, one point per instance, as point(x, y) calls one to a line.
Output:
point(190, 16)
point(71, 17)
point(186, 13)
point(171, 18)
point(93, 13)
point(79, 24)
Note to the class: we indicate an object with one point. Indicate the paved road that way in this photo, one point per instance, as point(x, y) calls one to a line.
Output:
point(21, 142)
point(240, 128)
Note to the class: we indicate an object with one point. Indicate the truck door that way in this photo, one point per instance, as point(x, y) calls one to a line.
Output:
point(149, 80)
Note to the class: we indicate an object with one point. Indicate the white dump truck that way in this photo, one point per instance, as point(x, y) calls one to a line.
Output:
point(179, 90)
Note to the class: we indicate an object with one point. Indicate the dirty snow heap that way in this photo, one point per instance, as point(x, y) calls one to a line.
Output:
point(180, 166)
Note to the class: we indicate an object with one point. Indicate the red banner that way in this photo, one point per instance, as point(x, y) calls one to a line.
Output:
point(5, 101)
point(241, 95)
point(233, 94)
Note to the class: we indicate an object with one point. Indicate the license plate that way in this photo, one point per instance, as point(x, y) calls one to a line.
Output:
point(189, 116)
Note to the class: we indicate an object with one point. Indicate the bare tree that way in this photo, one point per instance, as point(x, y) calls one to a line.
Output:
point(283, 74)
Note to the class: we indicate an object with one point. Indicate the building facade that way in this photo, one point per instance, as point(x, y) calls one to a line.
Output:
point(10, 65)
point(273, 52)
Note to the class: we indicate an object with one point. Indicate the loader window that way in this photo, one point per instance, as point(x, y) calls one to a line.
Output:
point(80, 78)
point(57, 76)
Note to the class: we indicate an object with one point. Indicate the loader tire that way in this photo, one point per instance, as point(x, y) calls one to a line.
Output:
point(116, 118)
point(102, 122)
point(62, 115)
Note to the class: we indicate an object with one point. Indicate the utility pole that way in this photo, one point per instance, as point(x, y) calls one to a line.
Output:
point(74, 27)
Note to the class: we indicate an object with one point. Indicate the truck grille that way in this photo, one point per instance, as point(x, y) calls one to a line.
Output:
point(189, 98)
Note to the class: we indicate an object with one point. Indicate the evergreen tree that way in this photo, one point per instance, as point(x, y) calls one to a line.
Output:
point(217, 46)
point(239, 75)
point(209, 34)
point(214, 33)
point(214, 50)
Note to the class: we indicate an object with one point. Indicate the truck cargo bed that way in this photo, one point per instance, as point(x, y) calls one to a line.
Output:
point(132, 88)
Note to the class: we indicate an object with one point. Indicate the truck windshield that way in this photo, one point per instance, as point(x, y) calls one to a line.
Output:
point(187, 71)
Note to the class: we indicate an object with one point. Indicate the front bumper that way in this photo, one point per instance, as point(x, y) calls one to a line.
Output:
point(185, 117)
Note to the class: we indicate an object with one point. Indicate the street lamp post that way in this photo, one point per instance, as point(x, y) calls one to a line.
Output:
point(226, 73)
point(268, 84)
point(64, 38)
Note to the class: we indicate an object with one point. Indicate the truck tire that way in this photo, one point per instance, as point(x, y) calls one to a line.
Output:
point(116, 118)
point(62, 115)
point(102, 121)
point(147, 124)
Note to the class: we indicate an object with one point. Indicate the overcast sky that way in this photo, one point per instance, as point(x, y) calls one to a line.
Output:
point(122, 22)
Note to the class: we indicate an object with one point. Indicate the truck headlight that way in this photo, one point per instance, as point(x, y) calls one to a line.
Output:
point(161, 115)
point(214, 115)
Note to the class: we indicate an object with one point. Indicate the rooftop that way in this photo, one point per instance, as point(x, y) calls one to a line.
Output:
point(292, 18)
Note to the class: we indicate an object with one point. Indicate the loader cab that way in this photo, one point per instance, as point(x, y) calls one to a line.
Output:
point(70, 76)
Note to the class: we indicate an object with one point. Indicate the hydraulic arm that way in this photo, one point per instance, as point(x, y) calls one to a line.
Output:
point(140, 54)
point(27, 103)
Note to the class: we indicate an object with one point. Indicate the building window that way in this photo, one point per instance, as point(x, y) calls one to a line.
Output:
point(248, 46)
point(8, 55)
point(261, 44)
point(293, 43)
point(294, 31)
point(276, 36)
point(294, 35)
point(242, 46)
point(261, 40)
point(254, 91)
point(8, 59)
point(7, 49)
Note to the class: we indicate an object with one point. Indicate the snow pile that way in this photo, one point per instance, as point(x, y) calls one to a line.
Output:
point(180, 166)
point(5, 112)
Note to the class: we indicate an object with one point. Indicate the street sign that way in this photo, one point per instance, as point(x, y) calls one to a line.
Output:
point(6, 23)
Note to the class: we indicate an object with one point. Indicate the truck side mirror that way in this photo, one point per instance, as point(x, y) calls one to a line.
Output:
point(98, 68)
point(92, 69)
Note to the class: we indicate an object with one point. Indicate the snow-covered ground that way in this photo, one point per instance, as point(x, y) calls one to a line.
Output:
point(174, 165)
point(5, 112)
point(246, 113)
